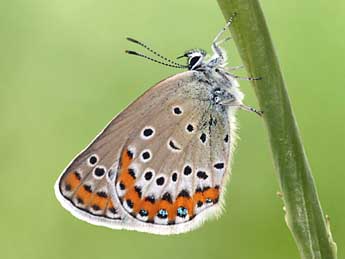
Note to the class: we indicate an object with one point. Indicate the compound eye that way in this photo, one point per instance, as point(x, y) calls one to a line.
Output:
point(193, 61)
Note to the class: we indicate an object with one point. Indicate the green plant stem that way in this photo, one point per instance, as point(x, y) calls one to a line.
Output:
point(304, 215)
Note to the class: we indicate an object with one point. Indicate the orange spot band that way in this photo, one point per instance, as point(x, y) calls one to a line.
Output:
point(73, 180)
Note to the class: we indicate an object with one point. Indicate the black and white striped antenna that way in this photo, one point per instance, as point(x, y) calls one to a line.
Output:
point(169, 62)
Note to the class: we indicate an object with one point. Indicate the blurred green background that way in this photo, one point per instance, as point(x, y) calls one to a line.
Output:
point(64, 75)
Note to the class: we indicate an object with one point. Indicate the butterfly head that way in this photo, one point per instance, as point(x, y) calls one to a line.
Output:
point(195, 58)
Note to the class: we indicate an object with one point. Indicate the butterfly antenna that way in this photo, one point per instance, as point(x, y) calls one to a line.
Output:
point(152, 51)
point(131, 52)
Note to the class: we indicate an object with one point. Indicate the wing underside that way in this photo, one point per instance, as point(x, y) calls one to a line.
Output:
point(158, 167)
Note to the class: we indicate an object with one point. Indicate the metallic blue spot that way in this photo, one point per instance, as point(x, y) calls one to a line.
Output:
point(208, 200)
point(143, 213)
point(162, 213)
point(182, 212)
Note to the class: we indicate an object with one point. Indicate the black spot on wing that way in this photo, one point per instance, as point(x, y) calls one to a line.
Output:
point(148, 175)
point(219, 165)
point(150, 199)
point(203, 137)
point(173, 145)
point(202, 175)
point(68, 187)
point(174, 177)
point(184, 193)
point(129, 203)
point(167, 197)
point(190, 128)
point(146, 155)
point(160, 180)
point(177, 110)
point(99, 171)
point(93, 160)
point(122, 186)
point(131, 172)
point(138, 191)
point(87, 188)
point(187, 170)
point(95, 207)
point(130, 154)
point(77, 175)
point(102, 194)
point(148, 132)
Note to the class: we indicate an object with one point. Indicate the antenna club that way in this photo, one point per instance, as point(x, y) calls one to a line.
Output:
point(131, 52)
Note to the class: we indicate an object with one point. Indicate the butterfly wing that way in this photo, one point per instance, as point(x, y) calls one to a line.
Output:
point(181, 183)
point(158, 166)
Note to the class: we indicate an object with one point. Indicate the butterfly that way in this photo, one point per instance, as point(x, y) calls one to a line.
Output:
point(161, 165)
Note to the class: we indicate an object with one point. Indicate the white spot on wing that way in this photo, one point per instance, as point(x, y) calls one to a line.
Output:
point(181, 220)
point(160, 221)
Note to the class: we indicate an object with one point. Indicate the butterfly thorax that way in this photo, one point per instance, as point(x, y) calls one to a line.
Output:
point(219, 89)
point(223, 91)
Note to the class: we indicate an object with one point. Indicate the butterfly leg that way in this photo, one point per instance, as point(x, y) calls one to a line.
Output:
point(215, 44)
point(251, 109)
point(234, 103)
point(244, 78)
point(235, 68)
point(223, 41)
point(227, 25)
